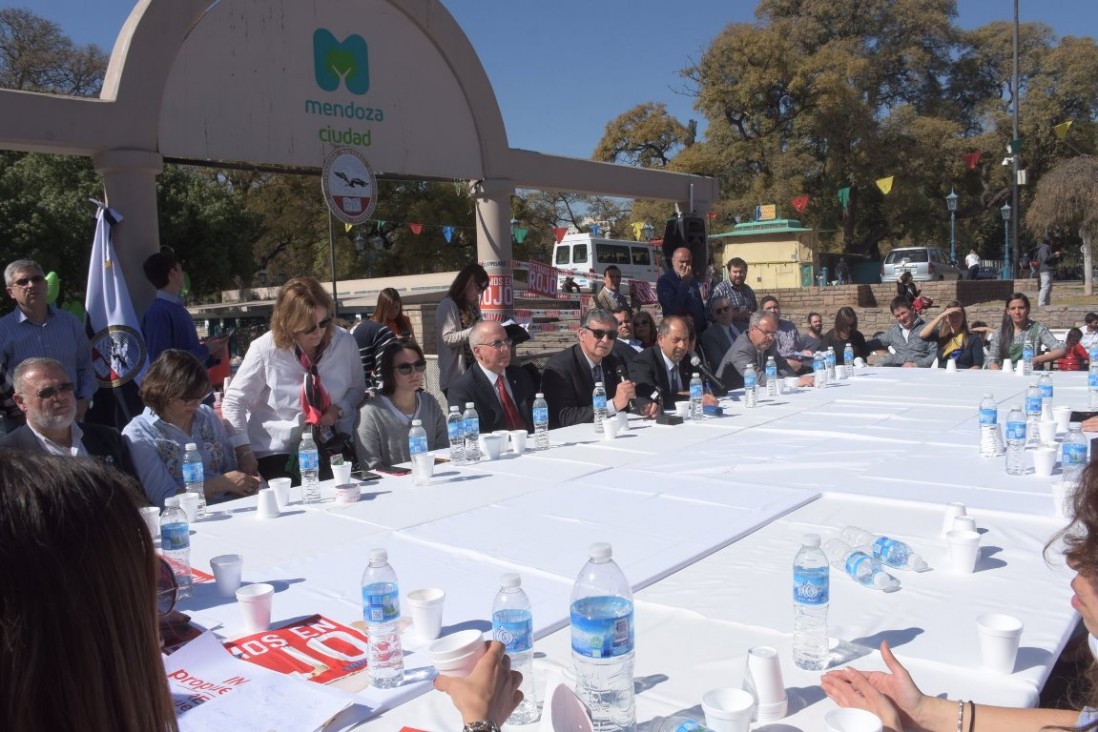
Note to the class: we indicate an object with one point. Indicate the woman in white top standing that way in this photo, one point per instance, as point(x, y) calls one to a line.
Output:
point(457, 313)
point(303, 372)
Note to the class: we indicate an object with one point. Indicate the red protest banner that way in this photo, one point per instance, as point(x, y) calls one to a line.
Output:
point(541, 280)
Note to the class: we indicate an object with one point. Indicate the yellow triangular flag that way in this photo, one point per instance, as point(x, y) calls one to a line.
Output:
point(1061, 129)
point(637, 229)
point(347, 228)
point(885, 184)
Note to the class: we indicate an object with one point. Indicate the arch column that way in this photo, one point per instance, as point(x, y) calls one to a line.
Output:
point(493, 198)
point(129, 183)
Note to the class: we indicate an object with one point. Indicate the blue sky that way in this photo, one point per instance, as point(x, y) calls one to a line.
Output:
point(563, 69)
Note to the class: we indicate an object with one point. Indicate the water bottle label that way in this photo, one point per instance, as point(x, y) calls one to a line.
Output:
point(989, 417)
point(890, 551)
point(417, 445)
point(695, 391)
point(1074, 454)
point(599, 402)
point(749, 381)
point(541, 415)
point(1092, 379)
point(455, 430)
point(309, 460)
point(771, 372)
point(192, 472)
point(1046, 391)
point(514, 629)
point(472, 426)
point(830, 359)
point(855, 560)
point(1027, 353)
point(606, 635)
point(848, 354)
point(174, 537)
point(380, 602)
point(811, 587)
point(1016, 430)
point(1033, 405)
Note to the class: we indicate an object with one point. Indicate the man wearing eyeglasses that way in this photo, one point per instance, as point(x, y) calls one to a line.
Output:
point(36, 328)
point(503, 394)
point(46, 394)
point(754, 346)
point(570, 375)
point(722, 333)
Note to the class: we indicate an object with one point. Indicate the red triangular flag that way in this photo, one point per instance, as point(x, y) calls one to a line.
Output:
point(800, 204)
point(711, 215)
point(416, 228)
point(972, 159)
point(559, 232)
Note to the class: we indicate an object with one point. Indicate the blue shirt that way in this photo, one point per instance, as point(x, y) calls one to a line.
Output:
point(678, 298)
point(157, 447)
point(60, 337)
point(167, 324)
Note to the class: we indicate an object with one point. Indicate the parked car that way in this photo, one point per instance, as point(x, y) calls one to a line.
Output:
point(926, 264)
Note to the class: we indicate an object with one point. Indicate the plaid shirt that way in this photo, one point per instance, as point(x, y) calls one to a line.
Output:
point(741, 297)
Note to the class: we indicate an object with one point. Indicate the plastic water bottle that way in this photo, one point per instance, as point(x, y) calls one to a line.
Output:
point(696, 392)
point(1033, 414)
point(381, 611)
point(1092, 379)
point(819, 370)
point(193, 476)
point(1016, 441)
point(811, 593)
point(513, 626)
point(602, 642)
point(886, 550)
point(771, 377)
point(989, 427)
point(1074, 457)
point(1027, 356)
point(455, 430)
point(471, 421)
point(308, 461)
point(829, 358)
point(541, 422)
point(598, 403)
point(750, 381)
point(175, 543)
point(848, 359)
point(860, 566)
point(1045, 384)
point(419, 454)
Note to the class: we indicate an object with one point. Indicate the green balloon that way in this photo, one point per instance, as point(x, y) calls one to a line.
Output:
point(186, 285)
point(53, 287)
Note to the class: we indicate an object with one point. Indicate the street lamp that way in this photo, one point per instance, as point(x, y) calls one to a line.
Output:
point(951, 204)
point(1005, 211)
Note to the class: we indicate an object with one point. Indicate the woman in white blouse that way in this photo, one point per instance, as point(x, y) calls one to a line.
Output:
point(303, 372)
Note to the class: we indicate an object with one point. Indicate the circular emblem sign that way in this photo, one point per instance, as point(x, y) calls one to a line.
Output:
point(350, 188)
point(118, 354)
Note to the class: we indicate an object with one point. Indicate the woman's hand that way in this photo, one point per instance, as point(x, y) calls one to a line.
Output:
point(246, 460)
point(330, 416)
point(236, 482)
point(850, 687)
point(896, 689)
point(489, 693)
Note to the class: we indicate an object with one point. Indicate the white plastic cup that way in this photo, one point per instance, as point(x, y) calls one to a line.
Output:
point(425, 606)
point(953, 510)
point(255, 605)
point(1007, 366)
point(189, 503)
point(423, 468)
point(728, 710)
point(683, 409)
point(999, 637)
point(610, 429)
point(1044, 458)
point(1062, 415)
point(457, 653)
point(623, 422)
point(791, 384)
point(1047, 431)
point(491, 445)
point(852, 720)
point(267, 506)
point(763, 680)
point(964, 550)
point(518, 441)
point(342, 473)
point(281, 487)
point(227, 569)
point(840, 372)
point(951, 366)
point(964, 523)
point(151, 515)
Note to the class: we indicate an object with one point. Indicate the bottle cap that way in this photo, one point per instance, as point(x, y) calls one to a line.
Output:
point(190, 446)
point(379, 556)
point(172, 501)
point(598, 384)
point(417, 423)
point(812, 540)
point(539, 395)
point(600, 550)
point(469, 405)
point(509, 580)
point(453, 408)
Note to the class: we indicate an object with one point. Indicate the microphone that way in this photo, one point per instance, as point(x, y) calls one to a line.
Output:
point(696, 362)
point(623, 375)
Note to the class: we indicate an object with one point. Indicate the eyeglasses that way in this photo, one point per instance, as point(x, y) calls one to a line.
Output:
point(25, 281)
point(498, 345)
point(166, 588)
point(322, 324)
point(405, 369)
point(51, 391)
point(194, 400)
point(600, 334)
point(725, 309)
point(767, 333)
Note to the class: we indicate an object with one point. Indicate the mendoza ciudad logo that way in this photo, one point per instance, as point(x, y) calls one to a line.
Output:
point(342, 66)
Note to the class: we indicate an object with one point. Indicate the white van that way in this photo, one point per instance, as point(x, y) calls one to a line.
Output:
point(584, 257)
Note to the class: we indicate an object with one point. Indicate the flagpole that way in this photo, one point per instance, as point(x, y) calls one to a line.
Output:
point(1016, 153)
point(332, 259)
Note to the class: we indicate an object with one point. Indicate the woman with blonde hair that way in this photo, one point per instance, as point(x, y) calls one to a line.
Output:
point(303, 373)
point(955, 340)
point(390, 313)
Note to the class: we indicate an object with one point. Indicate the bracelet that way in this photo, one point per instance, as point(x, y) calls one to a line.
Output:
point(971, 716)
point(960, 716)
point(481, 726)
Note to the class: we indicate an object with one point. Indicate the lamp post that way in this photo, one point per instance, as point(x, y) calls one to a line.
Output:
point(951, 204)
point(1005, 211)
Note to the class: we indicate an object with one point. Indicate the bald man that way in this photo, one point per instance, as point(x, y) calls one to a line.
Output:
point(679, 292)
point(503, 394)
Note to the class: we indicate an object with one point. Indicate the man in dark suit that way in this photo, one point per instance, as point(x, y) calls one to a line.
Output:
point(570, 375)
point(46, 395)
point(721, 334)
point(509, 409)
point(665, 366)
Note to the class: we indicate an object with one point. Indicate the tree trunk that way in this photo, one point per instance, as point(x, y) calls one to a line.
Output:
point(1088, 263)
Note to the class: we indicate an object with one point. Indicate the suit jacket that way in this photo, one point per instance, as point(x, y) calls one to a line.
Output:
point(473, 386)
point(568, 384)
point(607, 300)
point(624, 352)
point(649, 372)
point(743, 352)
point(715, 342)
point(102, 443)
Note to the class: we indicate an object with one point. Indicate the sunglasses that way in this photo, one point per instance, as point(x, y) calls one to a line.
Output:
point(51, 391)
point(167, 591)
point(600, 334)
point(194, 400)
point(405, 369)
point(322, 324)
point(725, 309)
point(32, 280)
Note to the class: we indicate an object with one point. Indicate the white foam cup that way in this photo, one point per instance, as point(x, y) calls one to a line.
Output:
point(683, 409)
point(728, 710)
point(951, 366)
point(1044, 459)
point(518, 441)
point(267, 506)
point(952, 511)
point(999, 636)
point(423, 468)
point(791, 383)
point(457, 653)
point(964, 523)
point(342, 473)
point(281, 487)
point(610, 429)
point(1047, 431)
point(1062, 415)
point(425, 606)
point(852, 720)
point(623, 422)
point(189, 503)
point(840, 372)
point(255, 605)
point(227, 569)
point(151, 514)
point(1007, 366)
point(964, 550)
point(491, 446)
point(763, 680)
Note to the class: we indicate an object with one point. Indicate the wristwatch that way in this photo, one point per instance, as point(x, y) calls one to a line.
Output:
point(483, 725)
point(339, 411)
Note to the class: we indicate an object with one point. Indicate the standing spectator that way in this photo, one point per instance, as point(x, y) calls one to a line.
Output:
point(390, 313)
point(738, 292)
point(1048, 257)
point(1090, 332)
point(36, 328)
point(972, 262)
point(610, 297)
point(842, 271)
point(679, 292)
point(167, 324)
point(455, 317)
point(371, 338)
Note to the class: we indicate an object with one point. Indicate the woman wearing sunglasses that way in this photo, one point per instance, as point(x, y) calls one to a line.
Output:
point(382, 434)
point(305, 372)
point(455, 317)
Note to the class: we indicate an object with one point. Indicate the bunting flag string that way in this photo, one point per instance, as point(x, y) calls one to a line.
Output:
point(885, 184)
point(972, 159)
point(559, 232)
point(520, 235)
point(416, 228)
point(595, 230)
point(844, 197)
point(1061, 129)
point(800, 204)
point(1014, 146)
point(347, 228)
point(447, 233)
point(711, 215)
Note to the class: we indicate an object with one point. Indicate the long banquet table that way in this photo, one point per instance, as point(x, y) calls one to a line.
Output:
point(705, 518)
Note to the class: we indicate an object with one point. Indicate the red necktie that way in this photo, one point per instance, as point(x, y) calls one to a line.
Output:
point(510, 411)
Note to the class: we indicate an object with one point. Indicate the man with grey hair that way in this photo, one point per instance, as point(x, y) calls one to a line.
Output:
point(502, 392)
point(570, 375)
point(46, 395)
point(36, 328)
point(754, 346)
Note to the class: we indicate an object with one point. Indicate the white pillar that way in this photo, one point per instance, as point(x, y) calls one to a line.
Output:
point(493, 197)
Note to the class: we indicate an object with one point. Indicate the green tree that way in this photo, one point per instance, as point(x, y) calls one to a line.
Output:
point(36, 56)
point(646, 136)
point(1067, 197)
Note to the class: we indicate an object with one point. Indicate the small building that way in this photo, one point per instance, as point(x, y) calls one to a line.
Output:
point(780, 253)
